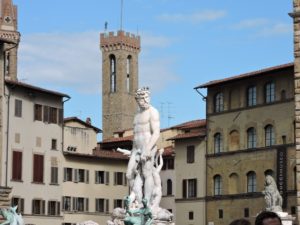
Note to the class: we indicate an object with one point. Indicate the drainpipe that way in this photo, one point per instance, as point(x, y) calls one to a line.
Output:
point(7, 139)
point(63, 125)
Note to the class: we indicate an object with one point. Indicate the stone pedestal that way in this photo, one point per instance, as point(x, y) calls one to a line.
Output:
point(286, 218)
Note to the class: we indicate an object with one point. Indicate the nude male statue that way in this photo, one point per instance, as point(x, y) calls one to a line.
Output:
point(146, 130)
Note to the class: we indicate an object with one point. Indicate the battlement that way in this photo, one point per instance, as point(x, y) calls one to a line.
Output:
point(119, 40)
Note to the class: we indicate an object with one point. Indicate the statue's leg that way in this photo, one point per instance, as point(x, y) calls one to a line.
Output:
point(130, 170)
point(149, 183)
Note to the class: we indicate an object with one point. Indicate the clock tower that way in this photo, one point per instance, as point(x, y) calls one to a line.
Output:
point(119, 80)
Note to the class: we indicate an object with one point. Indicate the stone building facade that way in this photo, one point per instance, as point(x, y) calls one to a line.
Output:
point(119, 80)
point(250, 133)
point(296, 18)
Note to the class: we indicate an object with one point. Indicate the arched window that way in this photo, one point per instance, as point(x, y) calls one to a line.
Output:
point(217, 185)
point(128, 73)
point(113, 77)
point(251, 137)
point(251, 96)
point(234, 140)
point(218, 143)
point(169, 187)
point(283, 95)
point(269, 135)
point(219, 102)
point(251, 181)
point(233, 183)
point(270, 92)
point(269, 172)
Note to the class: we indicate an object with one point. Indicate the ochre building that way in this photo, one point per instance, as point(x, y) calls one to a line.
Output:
point(250, 133)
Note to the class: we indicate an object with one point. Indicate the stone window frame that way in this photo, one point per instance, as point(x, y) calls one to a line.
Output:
point(219, 102)
point(251, 137)
point(269, 135)
point(218, 185)
point(251, 96)
point(270, 92)
point(218, 143)
point(251, 182)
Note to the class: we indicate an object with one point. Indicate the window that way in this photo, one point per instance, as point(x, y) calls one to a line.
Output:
point(38, 142)
point(293, 210)
point(190, 154)
point(38, 207)
point(118, 203)
point(53, 115)
point(220, 213)
point(18, 108)
point(38, 168)
point(68, 172)
point(219, 102)
point(17, 166)
point(168, 164)
point(54, 175)
point(251, 137)
point(113, 73)
point(16, 201)
point(81, 204)
point(251, 96)
point(191, 215)
point(270, 92)
point(102, 177)
point(17, 138)
point(218, 143)
point(66, 203)
point(128, 73)
point(269, 135)
point(53, 144)
point(120, 178)
point(102, 205)
point(217, 185)
point(46, 114)
point(169, 187)
point(53, 208)
point(81, 175)
point(38, 112)
point(246, 212)
point(189, 188)
point(251, 182)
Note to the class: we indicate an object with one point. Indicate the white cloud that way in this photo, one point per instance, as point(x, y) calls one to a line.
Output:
point(276, 30)
point(251, 23)
point(73, 60)
point(66, 60)
point(196, 17)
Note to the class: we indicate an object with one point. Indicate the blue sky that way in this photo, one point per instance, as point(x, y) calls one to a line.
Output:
point(184, 43)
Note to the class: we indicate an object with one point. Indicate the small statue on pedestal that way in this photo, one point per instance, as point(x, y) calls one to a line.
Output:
point(272, 196)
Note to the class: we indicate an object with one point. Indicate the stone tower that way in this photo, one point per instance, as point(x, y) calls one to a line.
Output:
point(119, 80)
point(296, 16)
point(10, 38)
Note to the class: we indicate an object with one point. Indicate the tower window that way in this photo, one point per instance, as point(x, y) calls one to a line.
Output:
point(112, 73)
point(128, 71)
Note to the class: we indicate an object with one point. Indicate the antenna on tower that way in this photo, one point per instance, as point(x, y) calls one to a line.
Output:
point(121, 22)
point(105, 26)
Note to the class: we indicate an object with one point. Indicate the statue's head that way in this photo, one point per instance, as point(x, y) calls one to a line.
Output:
point(142, 97)
point(269, 180)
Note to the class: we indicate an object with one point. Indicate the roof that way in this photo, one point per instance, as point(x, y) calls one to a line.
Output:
point(191, 124)
point(188, 135)
point(117, 139)
point(99, 154)
point(34, 88)
point(169, 151)
point(74, 118)
point(247, 75)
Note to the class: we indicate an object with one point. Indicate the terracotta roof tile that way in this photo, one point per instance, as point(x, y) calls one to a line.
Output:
point(119, 139)
point(169, 151)
point(246, 75)
point(188, 135)
point(99, 154)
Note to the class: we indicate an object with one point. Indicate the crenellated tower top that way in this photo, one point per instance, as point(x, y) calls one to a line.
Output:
point(120, 40)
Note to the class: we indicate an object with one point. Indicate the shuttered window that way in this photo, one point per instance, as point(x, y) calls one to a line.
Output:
point(38, 109)
point(38, 168)
point(18, 108)
point(17, 166)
